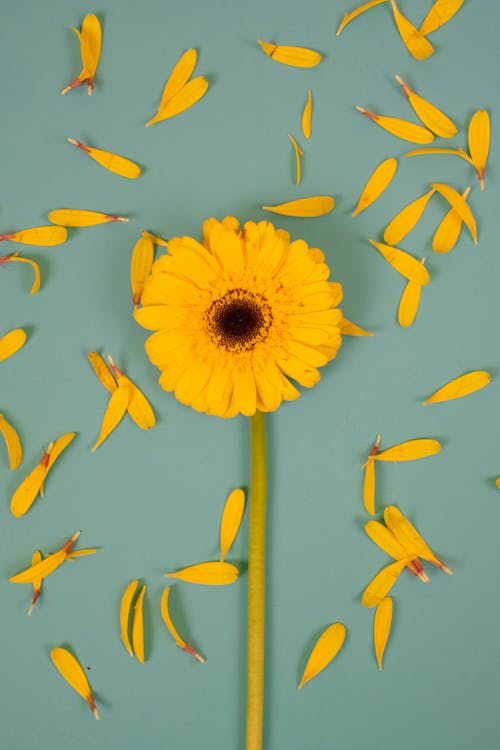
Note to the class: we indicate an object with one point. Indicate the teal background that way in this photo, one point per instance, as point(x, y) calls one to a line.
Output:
point(152, 501)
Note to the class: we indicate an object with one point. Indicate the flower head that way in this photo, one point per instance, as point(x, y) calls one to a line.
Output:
point(238, 315)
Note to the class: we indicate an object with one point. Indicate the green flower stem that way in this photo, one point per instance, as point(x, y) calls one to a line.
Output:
point(256, 584)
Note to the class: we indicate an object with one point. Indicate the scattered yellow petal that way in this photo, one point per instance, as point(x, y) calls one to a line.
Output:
point(143, 256)
point(369, 486)
point(416, 43)
point(191, 93)
point(479, 142)
point(57, 447)
point(455, 151)
point(317, 205)
point(12, 442)
point(138, 626)
point(461, 386)
point(138, 407)
point(171, 627)
point(11, 343)
point(15, 258)
point(387, 542)
point(125, 606)
point(101, 369)
point(27, 492)
point(497, 482)
point(379, 587)
point(37, 584)
point(298, 153)
point(298, 57)
point(112, 162)
point(460, 205)
point(307, 116)
point(410, 450)
point(407, 534)
point(403, 263)
point(439, 14)
point(357, 12)
point(431, 116)
point(324, 651)
point(448, 231)
point(114, 413)
point(46, 566)
point(90, 39)
point(180, 75)
point(71, 670)
point(80, 217)
point(42, 236)
point(406, 219)
point(407, 131)
point(231, 520)
point(208, 573)
point(82, 552)
point(377, 183)
point(156, 239)
point(409, 303)
point(382, 627)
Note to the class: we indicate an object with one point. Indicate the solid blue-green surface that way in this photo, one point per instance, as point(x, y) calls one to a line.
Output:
point(152, 501)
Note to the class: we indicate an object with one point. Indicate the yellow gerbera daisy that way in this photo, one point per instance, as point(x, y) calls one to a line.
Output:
point(238, 315)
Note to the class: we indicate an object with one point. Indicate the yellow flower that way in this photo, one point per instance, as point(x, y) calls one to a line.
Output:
point(238, 315)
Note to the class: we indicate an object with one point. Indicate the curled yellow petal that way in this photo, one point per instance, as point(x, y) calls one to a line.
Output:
point(143, 256)
point(138, 626)
point(317, 205)
point(231, 520)
point(324, 651)
point(37, 584)
point(298, 153)
point(71, 670)
point(460, 205)
point(307, 116)
point(379, 587)
point(409, 303)
point(479, 142)
point(101, 369)
point(406, 219)
point(171, 627)
point(439, 14)
point(125, 605)
point(180, 75)
point(377, 183)
point(12, 442)
point(80, 217)
point(448, 231)
point(15, 258)
point(138, 407)
point(369, 486)
point(351, 329)
point(403, 263)
point(42, 236)
point(452, 151)
point(357, 12)
point(191, 93)
point(208, 573)
point(415, 42)
point(114, 413)
point(112, 162)
point(298, 57)
point(460, 387)
point(407, 534)
point(407, 131)
point(382, 628)
point(431, 116)
point(410, 450)
point(47, 566)
point(11, 343)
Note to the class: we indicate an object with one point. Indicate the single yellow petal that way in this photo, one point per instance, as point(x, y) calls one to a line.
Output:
point(410, 450)
point(439, 14)
point(125, 606)
point(207, 573)
point(43, 236)
point(428, 114)
point(351, 329)
point(47, 565)
point(377, 183)
point(407, 131)
point(82, 552)
point(114, 413)
point(231, 520)
point(12, 442)
point(27, 492)
point(453, 151)
point(461, 386)
point(70, 669)
point(324, 651)
point(448, 231)
point(84, 74)
point(298, 57)
point(409, 303)
point(101, 369)
point(357, 12)
point(11, 343)
point(403, 263)
point(143, 256)
point(307, 116)
point(37, 584)
point(379, 587)
point(407, 534)
point(369, 486)
point(298, 153)
point(56, 448)
point(92, 41)
point(112, 162)
point(385, 539)
point(382, 627)
point(15, 258)
point(180, 75)
point(317, 205)
point(191, 93)
point(156, 239)
point(416, 43)
point(138, 626)
point(171, 627)
point(406, 219)
point(80, 217)
point(479, 141)
point(460, 205)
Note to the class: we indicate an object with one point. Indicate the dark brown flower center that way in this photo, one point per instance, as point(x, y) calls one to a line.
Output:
point(239, 320)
